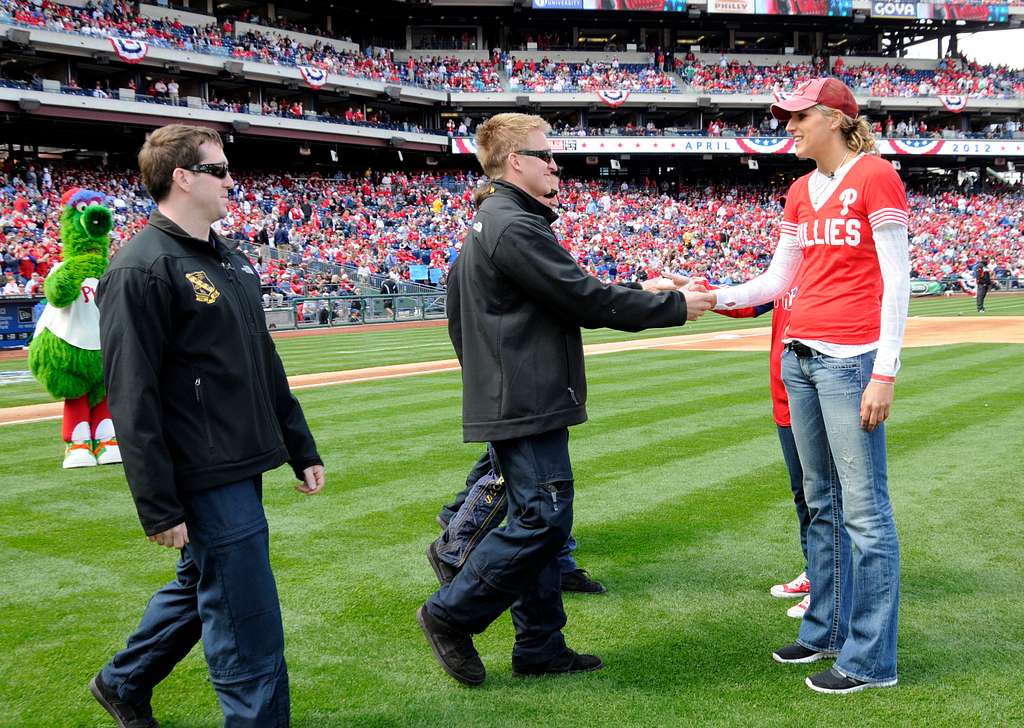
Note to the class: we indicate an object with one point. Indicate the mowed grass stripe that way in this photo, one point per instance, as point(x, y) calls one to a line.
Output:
point(334, 351)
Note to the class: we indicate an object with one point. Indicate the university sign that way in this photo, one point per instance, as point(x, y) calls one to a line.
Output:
point(761, 145)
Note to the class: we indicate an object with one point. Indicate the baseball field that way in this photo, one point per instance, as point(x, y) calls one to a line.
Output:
point(683, 511)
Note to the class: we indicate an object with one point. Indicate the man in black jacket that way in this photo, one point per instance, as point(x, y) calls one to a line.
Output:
point(203, 409)
point(516, 301)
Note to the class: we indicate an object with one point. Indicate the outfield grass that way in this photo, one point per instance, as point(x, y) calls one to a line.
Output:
point(332, 351)
point(682, 510)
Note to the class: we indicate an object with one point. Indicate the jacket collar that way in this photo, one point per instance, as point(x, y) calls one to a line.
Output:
point(528, 203)
point(166, 225)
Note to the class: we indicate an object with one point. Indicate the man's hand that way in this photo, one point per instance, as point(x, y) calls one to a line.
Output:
point(697, 303)
point(656, 285)
point(677, 280)
point(172, 538)
point(313, 480)
point(876, 404)
point(665, 282)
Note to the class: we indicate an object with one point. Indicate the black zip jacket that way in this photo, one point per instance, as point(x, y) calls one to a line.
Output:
point(516, 302)
point(196, 389)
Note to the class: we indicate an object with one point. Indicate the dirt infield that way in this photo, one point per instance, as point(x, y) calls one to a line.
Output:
point(921, 331)
point(13, 354)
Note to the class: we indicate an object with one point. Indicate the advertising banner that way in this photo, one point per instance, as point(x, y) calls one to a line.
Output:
point(18, 318)
point(953, 10)
point(841, 8)
point(667, 145)
point(658, 5)
point(736, 7)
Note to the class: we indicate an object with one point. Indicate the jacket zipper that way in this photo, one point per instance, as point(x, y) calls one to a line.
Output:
point(202, 406)
point(552, 489)
point(243, 303)
point(568, 374)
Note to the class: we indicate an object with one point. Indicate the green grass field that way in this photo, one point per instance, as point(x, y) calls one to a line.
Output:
point(332, 351)
point(683, 510)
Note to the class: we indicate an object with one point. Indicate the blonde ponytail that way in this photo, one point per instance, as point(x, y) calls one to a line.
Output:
point(856, 132)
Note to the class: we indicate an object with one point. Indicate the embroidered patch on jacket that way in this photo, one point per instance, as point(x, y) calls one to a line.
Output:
point(206, 292)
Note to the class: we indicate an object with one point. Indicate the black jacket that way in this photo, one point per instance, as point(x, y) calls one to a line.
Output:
point(196, 389)
point(516, 301)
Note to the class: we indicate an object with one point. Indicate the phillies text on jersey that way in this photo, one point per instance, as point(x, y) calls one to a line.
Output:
point(841, 287)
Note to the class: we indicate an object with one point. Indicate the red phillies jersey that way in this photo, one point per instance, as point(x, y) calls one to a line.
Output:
point(780, 319)
point(840, 282)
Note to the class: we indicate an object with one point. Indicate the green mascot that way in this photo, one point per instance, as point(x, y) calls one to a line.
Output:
point(65, 352)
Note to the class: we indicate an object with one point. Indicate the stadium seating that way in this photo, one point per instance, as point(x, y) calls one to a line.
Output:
point(331, 233)
point(559, 77)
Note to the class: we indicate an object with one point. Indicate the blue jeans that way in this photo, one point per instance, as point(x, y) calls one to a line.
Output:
point(479, 508)
point(225, 594)
point(854, 598)
point(796, 484)
point(515, 566)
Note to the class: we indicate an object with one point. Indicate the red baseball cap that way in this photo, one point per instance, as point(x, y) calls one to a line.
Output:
point(830, 92)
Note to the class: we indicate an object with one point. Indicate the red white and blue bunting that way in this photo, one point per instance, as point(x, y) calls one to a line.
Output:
point(313, 76)
point(130, 50)
point(613, 97)
point(759, 146)
point(956, 104)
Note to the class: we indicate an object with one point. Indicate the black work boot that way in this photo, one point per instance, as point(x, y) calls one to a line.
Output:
point(581, 582)
point(445, 572)
point(453, 649)
point(127, 715)
point(565, 663)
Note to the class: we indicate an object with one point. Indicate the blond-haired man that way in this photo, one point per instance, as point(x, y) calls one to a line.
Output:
point(516, 302)
point(199, 392)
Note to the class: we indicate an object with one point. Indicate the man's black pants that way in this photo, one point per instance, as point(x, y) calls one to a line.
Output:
point(515, 566)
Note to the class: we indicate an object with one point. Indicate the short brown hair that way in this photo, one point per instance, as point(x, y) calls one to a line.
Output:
point(502, 134)
point(170, 147)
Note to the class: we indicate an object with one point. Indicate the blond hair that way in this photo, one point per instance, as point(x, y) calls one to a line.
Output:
point(170, 147)
point(856, 132)
point(501, 135)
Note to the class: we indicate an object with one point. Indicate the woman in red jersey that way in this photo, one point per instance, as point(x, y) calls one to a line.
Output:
point(844, 229)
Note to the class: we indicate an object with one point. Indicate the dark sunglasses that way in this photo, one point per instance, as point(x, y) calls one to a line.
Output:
point(543, 154)
point(218, 170)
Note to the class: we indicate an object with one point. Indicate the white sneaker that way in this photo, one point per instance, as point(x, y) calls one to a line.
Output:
point(107, 452)
point(797, 610)
point(793, 589)
point(78, 455)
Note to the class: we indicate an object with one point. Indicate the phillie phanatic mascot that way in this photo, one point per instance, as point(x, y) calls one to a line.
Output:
point(65, 351)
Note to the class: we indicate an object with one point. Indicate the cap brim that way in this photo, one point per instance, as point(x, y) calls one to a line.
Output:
point(782, 110)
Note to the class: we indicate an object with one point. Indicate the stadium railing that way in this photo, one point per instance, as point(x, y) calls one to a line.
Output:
point(341, 311)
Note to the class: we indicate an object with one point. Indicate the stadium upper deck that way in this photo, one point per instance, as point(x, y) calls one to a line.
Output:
point(289, 75)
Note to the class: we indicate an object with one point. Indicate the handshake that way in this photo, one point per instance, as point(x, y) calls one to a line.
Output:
point(698, 298)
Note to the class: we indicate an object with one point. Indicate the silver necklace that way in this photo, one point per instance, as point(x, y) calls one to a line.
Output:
point(829, 179)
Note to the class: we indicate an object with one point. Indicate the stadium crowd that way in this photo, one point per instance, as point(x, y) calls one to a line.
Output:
point(547, 76)
point(954, 75)
point(329, 235)
point(116, 18)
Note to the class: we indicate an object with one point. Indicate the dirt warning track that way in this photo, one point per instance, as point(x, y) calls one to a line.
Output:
point(924, 331)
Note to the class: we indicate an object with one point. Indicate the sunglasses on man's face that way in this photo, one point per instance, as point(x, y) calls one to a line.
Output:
point(544, 155)
point(218, 170)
